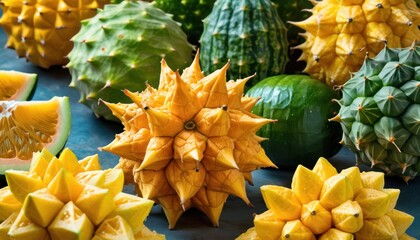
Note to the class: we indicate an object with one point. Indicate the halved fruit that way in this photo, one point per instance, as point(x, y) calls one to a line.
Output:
point(16, 85)
point(30, 126)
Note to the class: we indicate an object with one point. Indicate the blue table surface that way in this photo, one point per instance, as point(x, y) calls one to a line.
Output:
point(88, 133)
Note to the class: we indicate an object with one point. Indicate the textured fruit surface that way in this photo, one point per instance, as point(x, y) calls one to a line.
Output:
point(40, 31)
point(337, 214)
point(190, 13)
point(120, 48)
point(29, 126)
point(16, 85)
point(249, 34)
point(302, 107)
point(339, 34)
point(380, 112)
point(60, 203)
point(190, 142)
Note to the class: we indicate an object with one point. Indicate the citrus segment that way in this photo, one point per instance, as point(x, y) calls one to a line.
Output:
point(306, 184)
point(65, 187)
point(316, 217)
point(21, 183)
point(375, 180)
point(324, 169)
point(295, 230)
point(16, 85)
point(335, 191)
point(401, 220)
point(30, 126)
point(353, 174)
point(377, 228)
point(348, 217)
point(71, 223)
point(268, 226)
point(8, 203)
point(374, 203)
point(24, 229)
point(41, 207)
point(114, 228)
point(334, 234)
point(282, 201)
point(147, 234)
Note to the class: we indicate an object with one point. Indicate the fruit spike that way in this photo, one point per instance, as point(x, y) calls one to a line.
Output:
point(190, 136)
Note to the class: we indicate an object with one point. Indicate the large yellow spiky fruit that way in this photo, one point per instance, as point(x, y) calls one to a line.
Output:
point(40, 31)
point(191, 142)
point(340, 33)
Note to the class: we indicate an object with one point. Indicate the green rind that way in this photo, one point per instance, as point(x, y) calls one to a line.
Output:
point(302, 106)
point(28, 88)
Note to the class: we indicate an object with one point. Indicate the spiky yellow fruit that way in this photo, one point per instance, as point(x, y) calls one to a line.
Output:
point(340, 33)
point(191, 142)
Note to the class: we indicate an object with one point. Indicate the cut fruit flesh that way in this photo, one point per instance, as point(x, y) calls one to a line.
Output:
point(30, 126)
point(16, 85)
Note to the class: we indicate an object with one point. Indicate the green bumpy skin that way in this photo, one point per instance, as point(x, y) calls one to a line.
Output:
point(380, 112)
point(250, 34)
point(190, 13)
point(121, 48)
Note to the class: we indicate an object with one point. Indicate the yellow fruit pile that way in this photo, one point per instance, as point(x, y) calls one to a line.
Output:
point(191, 142)
point(63, 198)
point(324, 204)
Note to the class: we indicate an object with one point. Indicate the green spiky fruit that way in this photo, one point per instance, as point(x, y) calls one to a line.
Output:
point(380, 112)
point(248, 33)
point(121, 48)
point(190, 13)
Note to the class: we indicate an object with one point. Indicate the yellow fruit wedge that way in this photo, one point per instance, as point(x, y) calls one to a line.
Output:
point(16, 85)
point(54, 166)
point(95, 202)
point(348, 217)
point(40, 161)
point(306, 184)
point(114, 181)
point(147, 234)
point(71, 223)
point(295, 230)
point(113, 229)
point(70, 162)
point(335, 234)
point(324, 169)
point(23, 229)
point(282, 201)
point(90, 163)
point(41, 207)
point(268, 226)
point(353, 174)
point(21, 183)
point(94, 177)
point(374, 203)
point(6, 224)
point(250, 234)
point(316, 217)
point(65, 187)
point(401, 220)
point(133, 209)
point(335, 191)
point(394, 193)
point(372, 179)
point(377, 228)
point(8, 203)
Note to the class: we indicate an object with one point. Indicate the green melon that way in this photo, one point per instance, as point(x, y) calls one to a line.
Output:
point(302, 106)
point(15, 85)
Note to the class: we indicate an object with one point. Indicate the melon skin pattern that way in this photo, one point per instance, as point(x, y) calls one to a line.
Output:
point(249, 34)
point(380, 110)
point(324, 203)
point(120, 48)
point(40, 31)
point(191, 142)
point(189, 13)
point(339, 34)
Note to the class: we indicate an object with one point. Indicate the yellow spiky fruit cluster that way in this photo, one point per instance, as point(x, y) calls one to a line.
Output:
point(191, 142)
point(41, 31)
point(340, 33)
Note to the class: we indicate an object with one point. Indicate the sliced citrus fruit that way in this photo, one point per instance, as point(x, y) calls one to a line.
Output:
point(15, 85)
point(268, 226)
point(372, 179)
point(353, 174)
point(335, 191)
point(30, 126)
point(316, 217)
point(334, 234)
point(377, 228)
point(401, 220)
point(96, 202)
point(41, 207)
point(348, 217)
point(114, 228)
point(133, 209)
point(306, 184)
point(324, 169)
point(71, 223)
point(24, 229)
point(8, 203)
point(147, 234)
point(65, 187)
point(6, 224)
point(374, 203)
point(295, 230)
point(21, 183)
point(282, 201)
